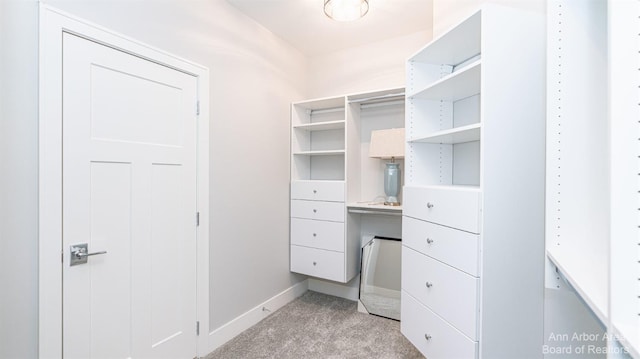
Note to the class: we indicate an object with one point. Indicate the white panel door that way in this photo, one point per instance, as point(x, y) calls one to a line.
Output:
point(129, 188)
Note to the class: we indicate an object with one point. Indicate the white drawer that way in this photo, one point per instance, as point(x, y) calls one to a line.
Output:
point(452, 207)
point(317, 234)
point(326, 211)
point(456, 248)
point(434, 337)
point(450, 293)
point(318, 263)
point(318, 190)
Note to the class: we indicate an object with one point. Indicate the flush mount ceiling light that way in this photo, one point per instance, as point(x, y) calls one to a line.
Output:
point(346, 10)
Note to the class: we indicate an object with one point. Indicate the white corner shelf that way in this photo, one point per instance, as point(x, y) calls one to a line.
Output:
point(321, 126)
point(455, 46)
point(460, 134)
point(586, 278)
point(320, 153)
point(455, 86)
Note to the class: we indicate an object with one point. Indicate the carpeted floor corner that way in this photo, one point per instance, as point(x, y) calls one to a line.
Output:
point(319, 326)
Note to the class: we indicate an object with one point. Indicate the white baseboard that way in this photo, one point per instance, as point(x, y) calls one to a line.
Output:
point(349, 290)
point(245, 321)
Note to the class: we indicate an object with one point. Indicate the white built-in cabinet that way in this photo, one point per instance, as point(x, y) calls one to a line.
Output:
point(333, 180)
point(473, 218)
point(593, 163)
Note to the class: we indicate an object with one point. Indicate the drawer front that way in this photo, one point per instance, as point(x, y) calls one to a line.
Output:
point(325, 211)
point(450, 293)
point(434, 337)
point(318, 190)
point(317, 234)
point(457, 208)
point(456, 248)
point(318, 263)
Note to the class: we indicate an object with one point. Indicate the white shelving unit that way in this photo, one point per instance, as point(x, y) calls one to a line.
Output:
point(593, 152)
point(472, 277)
point(333, 180)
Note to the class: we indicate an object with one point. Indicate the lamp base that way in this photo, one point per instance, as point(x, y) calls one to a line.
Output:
point(392, 184)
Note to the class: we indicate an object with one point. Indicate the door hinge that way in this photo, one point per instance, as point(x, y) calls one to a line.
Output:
point(62, 256)
point(198, 328)
point(197, 219)
point(197, 108)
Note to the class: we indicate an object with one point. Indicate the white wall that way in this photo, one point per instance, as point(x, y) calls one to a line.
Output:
point(254, 77)
point(447, 13)
point(365, 68)
point(18, 179)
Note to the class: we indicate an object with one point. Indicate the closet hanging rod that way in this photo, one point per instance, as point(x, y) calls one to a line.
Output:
point(325, 110)
point(467, 61)
point(388, 97)
point(379, 104)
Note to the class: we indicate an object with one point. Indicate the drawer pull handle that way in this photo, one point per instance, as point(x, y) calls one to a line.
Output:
point(314, 234)
point(314, 263)
point(315, 211)
point(427, 337)
point(429, 240)
point(314, 191)
point(429, 284)
point(429, 205)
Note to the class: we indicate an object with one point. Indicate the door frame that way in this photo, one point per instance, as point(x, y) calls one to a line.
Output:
point(53, 23)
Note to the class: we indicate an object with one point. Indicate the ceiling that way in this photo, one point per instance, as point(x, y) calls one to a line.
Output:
point(303, 24)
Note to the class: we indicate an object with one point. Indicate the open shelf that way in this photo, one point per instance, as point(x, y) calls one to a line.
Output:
point(319, 153)
point(461, 134)
point(455, 86)
point(455, 46)
point(321, 126)
point(365, 208)
point(587, 277)
point(321, 104)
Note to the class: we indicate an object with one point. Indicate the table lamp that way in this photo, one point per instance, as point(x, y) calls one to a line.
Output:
point(389, 144)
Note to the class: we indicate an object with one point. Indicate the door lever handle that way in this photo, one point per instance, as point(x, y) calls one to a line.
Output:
point(80, 253)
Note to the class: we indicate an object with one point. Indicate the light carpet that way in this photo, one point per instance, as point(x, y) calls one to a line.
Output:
point(319, 326)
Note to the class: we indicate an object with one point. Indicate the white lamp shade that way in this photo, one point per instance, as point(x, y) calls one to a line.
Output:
point(387, 143)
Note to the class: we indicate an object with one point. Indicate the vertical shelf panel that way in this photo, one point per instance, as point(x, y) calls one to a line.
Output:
point(624, 74)
point(577, 225)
